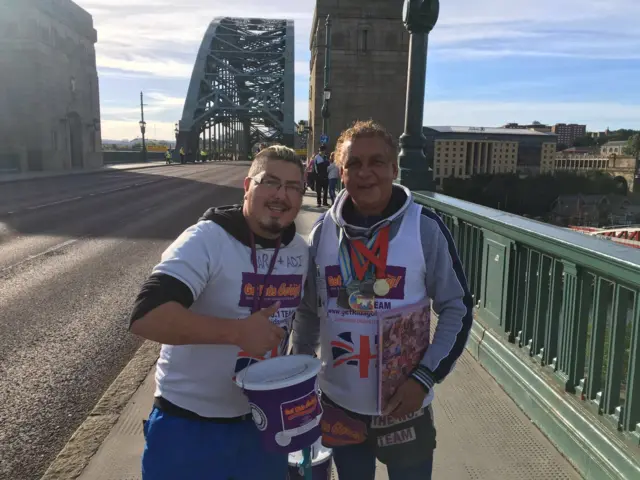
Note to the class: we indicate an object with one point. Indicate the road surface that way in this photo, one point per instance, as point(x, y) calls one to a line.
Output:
point(73, 252)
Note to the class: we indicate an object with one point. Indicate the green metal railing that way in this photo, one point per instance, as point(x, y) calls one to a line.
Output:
point(567, 302)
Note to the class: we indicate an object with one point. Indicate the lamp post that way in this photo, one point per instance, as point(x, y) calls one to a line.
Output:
point(327, 73)
point(419, 16)
point(143, 128)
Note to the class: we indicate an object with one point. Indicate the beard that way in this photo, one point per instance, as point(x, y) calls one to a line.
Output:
point(271, 226)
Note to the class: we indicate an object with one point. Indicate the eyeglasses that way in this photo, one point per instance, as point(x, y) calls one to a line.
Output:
point(274, 185)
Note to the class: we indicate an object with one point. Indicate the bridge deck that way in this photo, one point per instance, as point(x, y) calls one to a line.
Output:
point(482, 434)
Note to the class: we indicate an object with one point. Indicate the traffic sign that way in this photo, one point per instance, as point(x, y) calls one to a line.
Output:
point(324, 138)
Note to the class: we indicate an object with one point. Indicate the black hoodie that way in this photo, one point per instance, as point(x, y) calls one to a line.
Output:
point(232, 220)
point(160, 288)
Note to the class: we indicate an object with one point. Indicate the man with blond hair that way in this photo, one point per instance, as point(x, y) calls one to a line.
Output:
point(374, 251)
point(205, 303)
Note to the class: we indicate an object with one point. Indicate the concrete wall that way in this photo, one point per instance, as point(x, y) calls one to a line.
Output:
point(368, 79)
point(49, 92)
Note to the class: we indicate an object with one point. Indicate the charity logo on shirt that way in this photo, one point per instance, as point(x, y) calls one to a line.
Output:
point(395, 277)
point(286, 289)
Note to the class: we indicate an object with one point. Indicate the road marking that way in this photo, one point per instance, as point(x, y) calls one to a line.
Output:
point(53, 203)
point(67, 200)
point(53, 249)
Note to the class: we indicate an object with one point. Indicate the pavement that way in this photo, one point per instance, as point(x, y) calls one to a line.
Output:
point(74, 250)
point(482, 434)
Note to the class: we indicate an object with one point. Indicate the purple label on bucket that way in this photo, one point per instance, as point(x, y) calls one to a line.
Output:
point(299, 412)
point(286, 289)
point(295, 430)
point(395, 278)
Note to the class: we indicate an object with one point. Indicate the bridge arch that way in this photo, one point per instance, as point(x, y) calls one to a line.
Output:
point(241, 91)
point(621, 184)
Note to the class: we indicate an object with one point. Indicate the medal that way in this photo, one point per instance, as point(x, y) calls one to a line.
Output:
point(343, 299)
point(362, 257)
point(362, 303)
point(381, 287)
point(367, 288)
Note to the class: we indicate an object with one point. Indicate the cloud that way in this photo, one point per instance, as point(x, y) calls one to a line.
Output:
point(122, 130)
point(141, 65)
point(302, 69)
point(150, 41)
point(157, 104)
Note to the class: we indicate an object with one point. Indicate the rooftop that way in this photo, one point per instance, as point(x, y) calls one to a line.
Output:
point(489, 130)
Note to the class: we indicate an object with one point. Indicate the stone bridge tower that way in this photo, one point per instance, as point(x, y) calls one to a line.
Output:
point(368, 77)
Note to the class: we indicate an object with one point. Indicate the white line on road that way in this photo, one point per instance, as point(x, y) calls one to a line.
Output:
point(53, 203)
point(67, 200)
point(53, 249)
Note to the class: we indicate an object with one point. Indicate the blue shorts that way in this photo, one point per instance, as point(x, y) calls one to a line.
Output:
point(180, 448)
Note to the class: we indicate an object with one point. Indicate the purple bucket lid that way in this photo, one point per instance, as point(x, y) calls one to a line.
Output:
point(278, 372)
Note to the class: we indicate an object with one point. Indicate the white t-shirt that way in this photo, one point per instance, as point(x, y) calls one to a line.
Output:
point(218, 270)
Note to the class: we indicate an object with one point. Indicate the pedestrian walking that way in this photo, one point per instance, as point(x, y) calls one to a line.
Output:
point(321, 169)
point(333, 174)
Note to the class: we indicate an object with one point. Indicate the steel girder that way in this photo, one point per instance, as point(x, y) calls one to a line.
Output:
point(242, 87)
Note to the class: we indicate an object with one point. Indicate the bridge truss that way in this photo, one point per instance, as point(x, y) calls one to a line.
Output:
point(241, 92)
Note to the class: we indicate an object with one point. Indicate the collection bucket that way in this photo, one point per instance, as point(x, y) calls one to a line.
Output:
point(320, 463)
point(285, 402)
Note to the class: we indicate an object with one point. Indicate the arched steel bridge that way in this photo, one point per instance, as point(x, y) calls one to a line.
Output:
point(241, 92)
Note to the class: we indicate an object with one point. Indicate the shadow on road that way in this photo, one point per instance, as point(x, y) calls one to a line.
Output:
point(153, 205)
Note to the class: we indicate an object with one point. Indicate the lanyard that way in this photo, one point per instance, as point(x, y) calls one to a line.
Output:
point(257, 300)
point(362, 256)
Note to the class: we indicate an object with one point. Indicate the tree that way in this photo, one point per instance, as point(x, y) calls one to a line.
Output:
point(536, 122)
point(586, 141)
point(633, 146)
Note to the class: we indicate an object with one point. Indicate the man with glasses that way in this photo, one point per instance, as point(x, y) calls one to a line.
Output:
point(377, 257)
point(216, 304)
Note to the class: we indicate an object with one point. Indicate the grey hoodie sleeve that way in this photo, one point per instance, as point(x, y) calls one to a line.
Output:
point(452, 302)
point(306, 325)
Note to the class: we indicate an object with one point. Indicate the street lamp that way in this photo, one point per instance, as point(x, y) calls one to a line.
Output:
point(419, 17)
point(143, 128)
point(327, 71)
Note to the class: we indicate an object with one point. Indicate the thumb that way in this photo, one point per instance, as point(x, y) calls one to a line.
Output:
point(267, 312)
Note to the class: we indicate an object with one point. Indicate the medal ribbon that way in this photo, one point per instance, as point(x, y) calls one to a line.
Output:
point(344, 257)
point(363, 256)
point(257, 300)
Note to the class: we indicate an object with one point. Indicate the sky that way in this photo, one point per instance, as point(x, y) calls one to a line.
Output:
point(490, 62)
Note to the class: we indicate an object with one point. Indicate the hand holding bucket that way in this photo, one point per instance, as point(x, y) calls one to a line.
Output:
point(258, 335)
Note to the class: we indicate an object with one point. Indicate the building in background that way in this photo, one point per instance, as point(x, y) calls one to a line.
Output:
point(568, 132)
point(49, 95)
point(621, 167)
point(536, 126)
point(466, 151)
point(614, 147)
point(368, 77)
